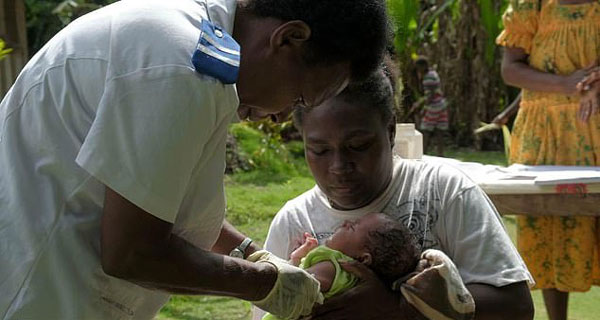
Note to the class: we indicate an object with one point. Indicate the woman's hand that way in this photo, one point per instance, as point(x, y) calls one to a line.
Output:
point(590, 102)
point(370, 299)
point(587, 82)
point(572, 83)
point(511, 110)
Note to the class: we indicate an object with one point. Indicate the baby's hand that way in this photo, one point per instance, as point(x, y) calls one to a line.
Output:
point(309, 243)
point(590, 101)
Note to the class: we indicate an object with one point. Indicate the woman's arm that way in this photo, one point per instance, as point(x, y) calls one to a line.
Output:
point(517, 72)
point(369, 300)
point(509, 302)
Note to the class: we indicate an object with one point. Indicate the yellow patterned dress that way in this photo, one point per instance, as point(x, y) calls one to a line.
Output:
point(561, 252)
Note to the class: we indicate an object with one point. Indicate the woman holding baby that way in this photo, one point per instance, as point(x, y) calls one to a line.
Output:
point(348, 145)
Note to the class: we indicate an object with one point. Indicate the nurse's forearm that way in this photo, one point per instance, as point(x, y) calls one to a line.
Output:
point(139, 247)
point(184, 269)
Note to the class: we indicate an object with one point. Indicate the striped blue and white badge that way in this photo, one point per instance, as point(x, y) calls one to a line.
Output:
point(217, 54)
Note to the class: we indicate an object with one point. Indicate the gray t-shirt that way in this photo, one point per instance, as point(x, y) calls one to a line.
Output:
point(439, 204)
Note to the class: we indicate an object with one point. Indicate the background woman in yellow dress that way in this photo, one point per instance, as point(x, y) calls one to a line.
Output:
point(551, 46)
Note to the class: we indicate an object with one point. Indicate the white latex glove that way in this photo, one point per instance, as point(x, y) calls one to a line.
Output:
point(295, 292)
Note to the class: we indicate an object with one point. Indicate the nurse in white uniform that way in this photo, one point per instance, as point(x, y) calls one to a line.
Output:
point(112, 150)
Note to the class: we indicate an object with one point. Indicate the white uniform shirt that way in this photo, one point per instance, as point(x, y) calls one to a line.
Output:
point(440, 205)
point(113, 99)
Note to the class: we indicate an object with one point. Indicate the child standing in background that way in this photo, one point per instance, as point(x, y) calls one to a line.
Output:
point(434, 121)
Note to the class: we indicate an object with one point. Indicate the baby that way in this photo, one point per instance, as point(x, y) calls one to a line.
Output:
point(375, 240)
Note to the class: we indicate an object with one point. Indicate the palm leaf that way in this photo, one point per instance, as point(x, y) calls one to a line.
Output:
point(491, 21)
point(404, 14)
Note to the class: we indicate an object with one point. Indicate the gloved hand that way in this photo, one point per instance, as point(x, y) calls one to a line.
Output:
point(295, 292)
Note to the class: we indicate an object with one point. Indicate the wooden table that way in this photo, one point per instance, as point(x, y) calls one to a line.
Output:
point(518, 192)
point(524, 197)
point(548, 204)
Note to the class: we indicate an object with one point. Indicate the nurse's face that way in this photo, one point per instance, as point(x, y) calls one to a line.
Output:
point(280, 86)
point(349, 151)
point(274, 74)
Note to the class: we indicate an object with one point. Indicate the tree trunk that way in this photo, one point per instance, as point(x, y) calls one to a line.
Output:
point(12, 30)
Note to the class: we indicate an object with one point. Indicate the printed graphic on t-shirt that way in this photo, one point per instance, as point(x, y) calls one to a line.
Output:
point(420, 215)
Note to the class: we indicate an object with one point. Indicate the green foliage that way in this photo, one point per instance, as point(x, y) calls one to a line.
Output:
point(4, 51)
point(69, 10)
point(270, 158)
point(491, 20)
point(405, 15)
point(433, 19)
point(46, 17)
point(411, 28)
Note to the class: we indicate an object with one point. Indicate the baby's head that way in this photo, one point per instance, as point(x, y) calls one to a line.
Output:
point(385, 245)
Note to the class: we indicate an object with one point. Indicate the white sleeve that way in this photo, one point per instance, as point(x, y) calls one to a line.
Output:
point(148, 135)
point(475, 239)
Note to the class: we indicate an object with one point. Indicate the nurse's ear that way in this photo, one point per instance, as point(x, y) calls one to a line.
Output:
point(290, 35)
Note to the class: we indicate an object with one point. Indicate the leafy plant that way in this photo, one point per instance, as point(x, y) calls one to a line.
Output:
point(269, 157)
point(46, 17)
point(4, 51)
point(69, 10)
point(412, 26)
point(405, 15)
point(491, 19)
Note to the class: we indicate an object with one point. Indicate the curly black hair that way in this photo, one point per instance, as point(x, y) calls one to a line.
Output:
point(376, 93)
point(341, 30)
point(394, 251)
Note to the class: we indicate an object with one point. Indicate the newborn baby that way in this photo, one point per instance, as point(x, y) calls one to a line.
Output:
point(382, 244)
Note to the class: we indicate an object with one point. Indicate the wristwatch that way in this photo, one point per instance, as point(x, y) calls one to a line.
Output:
point(240, 251)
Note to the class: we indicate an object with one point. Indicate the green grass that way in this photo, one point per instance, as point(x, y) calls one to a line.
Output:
point(254, 197)
point(487, 157)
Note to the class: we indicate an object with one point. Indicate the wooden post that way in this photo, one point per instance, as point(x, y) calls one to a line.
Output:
point(12, 30)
